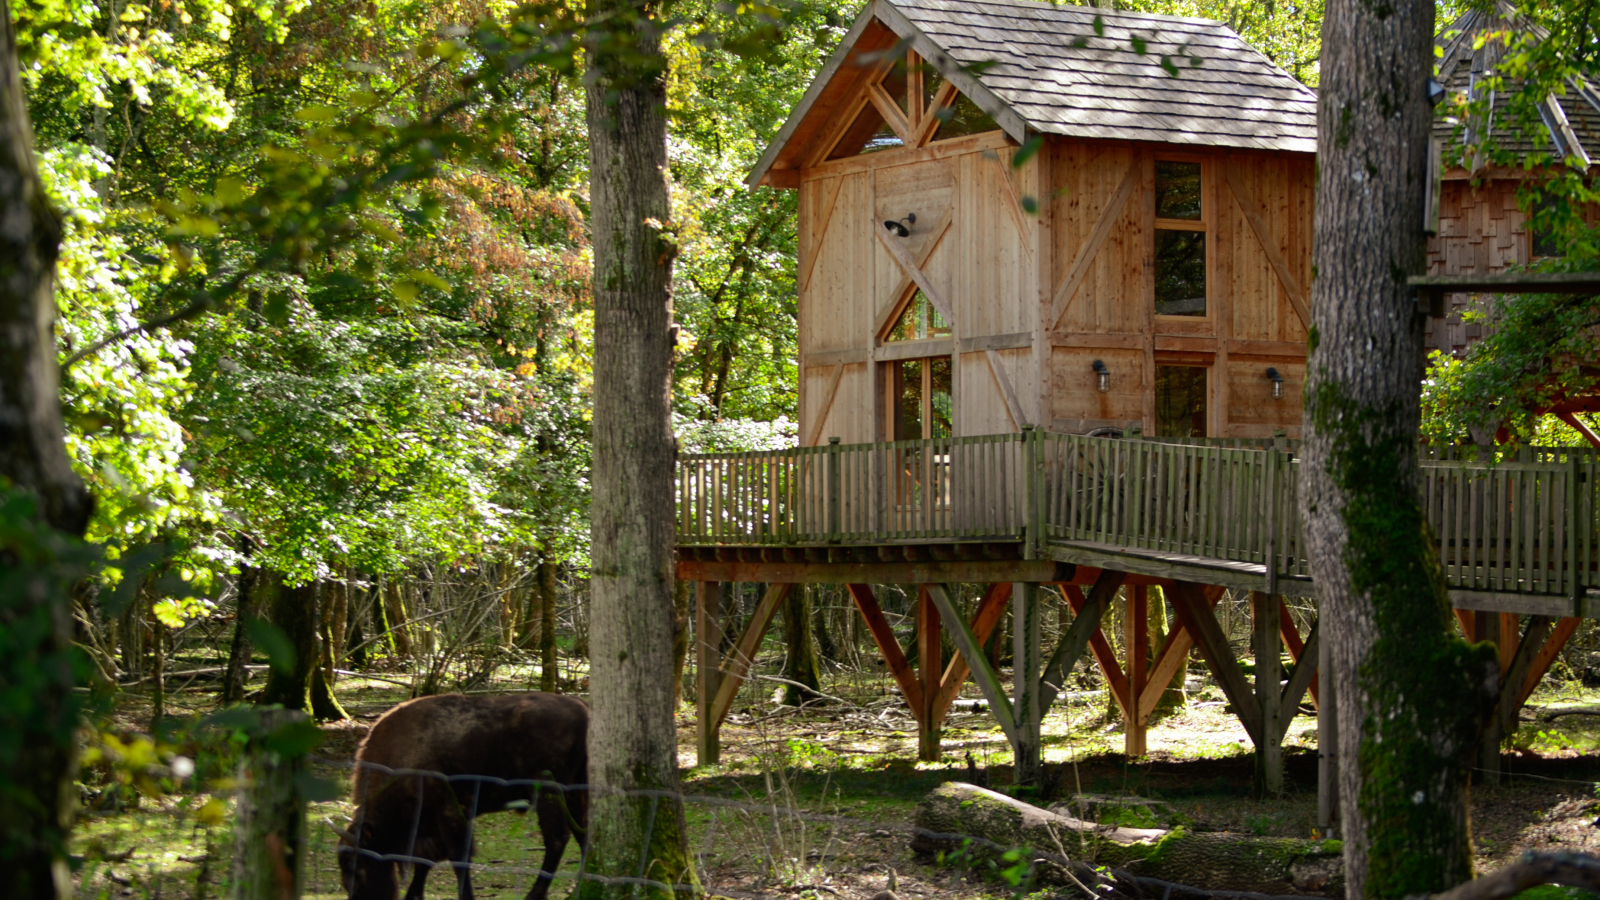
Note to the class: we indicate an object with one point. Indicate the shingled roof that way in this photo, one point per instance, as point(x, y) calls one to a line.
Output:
point(1570, 122)
point(1034, 67)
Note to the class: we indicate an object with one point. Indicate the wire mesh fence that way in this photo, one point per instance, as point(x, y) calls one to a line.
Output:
point(743, 848)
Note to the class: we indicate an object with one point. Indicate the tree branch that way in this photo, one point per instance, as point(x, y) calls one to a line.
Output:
point(1577, 870)
point(201, 305)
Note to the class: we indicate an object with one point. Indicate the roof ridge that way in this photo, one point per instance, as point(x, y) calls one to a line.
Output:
point(1071, 8)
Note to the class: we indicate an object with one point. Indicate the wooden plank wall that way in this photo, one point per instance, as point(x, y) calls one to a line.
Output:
point(983, 265)
point(1102, 283)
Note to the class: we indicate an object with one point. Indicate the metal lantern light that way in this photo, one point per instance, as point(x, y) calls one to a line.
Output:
point(901, 227)
point(1102, 376)
point(1277, 383)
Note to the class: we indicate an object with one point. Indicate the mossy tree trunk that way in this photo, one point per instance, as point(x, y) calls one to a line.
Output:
point(248, 607)
point(633, 742)
point(37, 665)
point(1412, 697)
point(297, 612)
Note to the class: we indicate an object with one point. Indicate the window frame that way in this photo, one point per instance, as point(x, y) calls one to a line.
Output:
point(1208, 212)
point(891, 394)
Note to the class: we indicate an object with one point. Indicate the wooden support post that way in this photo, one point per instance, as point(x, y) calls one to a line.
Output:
point(1327, 738)
point(1269, 676)
point(929, 668)
point(1136, 650)
point(708, 662)
point(1025, 675)
point(1292, 641)
point(1486, 627)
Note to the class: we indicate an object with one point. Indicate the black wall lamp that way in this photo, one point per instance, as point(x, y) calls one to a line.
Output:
point(1103, 376)
point(901, 227)
point(1277, 383)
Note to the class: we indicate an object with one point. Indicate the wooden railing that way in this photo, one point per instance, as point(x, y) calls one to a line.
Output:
point(1519, 521)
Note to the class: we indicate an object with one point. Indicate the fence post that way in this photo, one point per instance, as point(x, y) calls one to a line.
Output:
point(269, 855)
point(1030, 493)
point(834, 500)
point(1575, 583)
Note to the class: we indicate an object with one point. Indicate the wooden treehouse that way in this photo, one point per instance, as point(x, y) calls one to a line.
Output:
point(1052, 340)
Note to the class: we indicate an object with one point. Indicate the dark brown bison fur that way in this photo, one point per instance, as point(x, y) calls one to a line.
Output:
point(517, 737)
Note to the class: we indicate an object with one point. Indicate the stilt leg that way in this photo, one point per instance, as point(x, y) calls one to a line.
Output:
point(1264, 613)
point(1327, 739)
point(707, 662)
point(929, 668)
point(1136, 634)
point(1027, 666)
point(1486, 627)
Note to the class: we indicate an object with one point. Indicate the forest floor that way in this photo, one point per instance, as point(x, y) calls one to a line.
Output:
point(855, 763)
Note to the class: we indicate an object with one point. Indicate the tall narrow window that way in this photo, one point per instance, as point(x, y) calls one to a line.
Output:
point(1181, 401)
point(1180, 240)
point(923, 407)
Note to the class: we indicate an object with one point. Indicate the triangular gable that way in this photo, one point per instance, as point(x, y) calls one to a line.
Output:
point(1066, 70)
point(880, 34)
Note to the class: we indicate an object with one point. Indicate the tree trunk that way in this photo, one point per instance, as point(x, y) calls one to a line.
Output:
point(632, 736)
point(547, 628)
point(1413, 698)
point(680, 637)
point(36, 794)
point(800, 659)
point(248, 607)
point(394, 603)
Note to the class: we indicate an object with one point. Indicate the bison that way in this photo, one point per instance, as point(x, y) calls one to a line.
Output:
point(511, 738)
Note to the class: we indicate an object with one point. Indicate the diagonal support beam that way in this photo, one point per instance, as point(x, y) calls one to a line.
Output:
point(1195, 613)
point(1300, 680)
point(991, 609)
point(889, 646)
point(1171, 661)
point(1085, 627)
point(1533, 641)
point(1559, 635)
point(736, 667)
point(903, 257)
point(984, 674)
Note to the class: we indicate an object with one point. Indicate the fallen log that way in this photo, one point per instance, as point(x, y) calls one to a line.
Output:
point(960, 817)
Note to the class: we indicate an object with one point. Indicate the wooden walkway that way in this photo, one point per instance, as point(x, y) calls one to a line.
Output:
point(1042, 518)
point(1516, 534)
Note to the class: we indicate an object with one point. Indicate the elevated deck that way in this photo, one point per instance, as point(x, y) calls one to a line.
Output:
point(1517, 532)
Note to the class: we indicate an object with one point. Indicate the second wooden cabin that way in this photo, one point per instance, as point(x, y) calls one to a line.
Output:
point(1018, 214)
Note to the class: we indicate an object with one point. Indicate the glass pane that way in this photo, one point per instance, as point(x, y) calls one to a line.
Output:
point(961, 118)
point(942, 411)
point(1180, 273)
point(1180, 401)
point(919, 321)
point(894, 84)
point(869, 133)
point(931, 82)
point(908, 400)
point(1177, 190)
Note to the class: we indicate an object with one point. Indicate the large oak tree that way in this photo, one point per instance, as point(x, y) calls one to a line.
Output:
point(1412, 697)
